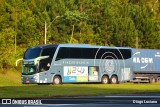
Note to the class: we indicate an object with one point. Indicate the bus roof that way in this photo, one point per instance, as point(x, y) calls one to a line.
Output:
point(45, 46)
point(90, 46)
point(78, 45)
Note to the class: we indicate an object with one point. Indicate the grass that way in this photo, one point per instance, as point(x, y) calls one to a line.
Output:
point(66, 90)
point(10, 78)
point(11, 87)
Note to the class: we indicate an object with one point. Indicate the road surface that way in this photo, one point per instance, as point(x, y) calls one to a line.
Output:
point(141, 100)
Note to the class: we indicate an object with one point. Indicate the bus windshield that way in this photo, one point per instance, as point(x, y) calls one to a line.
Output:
point(32, 53)
point(29, 69)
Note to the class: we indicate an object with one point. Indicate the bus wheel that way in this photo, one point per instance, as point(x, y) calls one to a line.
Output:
point(152, 80)
point(158, 79)
point(105, 80)
point(57, 80)
point(114, 80)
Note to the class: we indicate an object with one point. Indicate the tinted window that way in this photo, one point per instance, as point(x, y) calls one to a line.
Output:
point(90, 53)
point(107, 54)
point(46, 63)
point(32, 53)
point(113, 54)
point(63, 53)
point(76, 53)
point(69, 53)
point(48, 52)
point(126, 53)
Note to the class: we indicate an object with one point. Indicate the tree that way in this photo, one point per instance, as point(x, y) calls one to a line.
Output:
point(74, 18)
point(99, 22)
point(147, 24)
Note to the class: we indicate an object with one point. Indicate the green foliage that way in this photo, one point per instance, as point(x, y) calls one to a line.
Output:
point(74, 17)
point(98, 22)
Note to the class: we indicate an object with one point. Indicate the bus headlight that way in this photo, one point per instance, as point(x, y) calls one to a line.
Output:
point(35, 77)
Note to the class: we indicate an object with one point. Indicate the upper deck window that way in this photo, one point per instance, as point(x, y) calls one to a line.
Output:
point(93, 53)
point(49, 52)
point(32, 53)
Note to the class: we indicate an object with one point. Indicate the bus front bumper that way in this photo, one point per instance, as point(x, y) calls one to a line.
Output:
point(29, 80)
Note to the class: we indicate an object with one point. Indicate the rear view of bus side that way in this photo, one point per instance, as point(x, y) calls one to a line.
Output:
point(69, 63)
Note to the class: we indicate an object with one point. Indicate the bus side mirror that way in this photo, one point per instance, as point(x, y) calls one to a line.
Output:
point(36, 61)
point(18, 61)
point(44, 57)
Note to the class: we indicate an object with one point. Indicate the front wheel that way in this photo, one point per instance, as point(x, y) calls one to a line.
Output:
point(105, 80)
point(57, 80)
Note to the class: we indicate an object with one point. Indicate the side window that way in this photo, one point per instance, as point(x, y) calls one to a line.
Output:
point(48, 52)
point(71, 53)
point(126, 53)
point(46, 63)
point(102, 53)
point(113, 54)
point(119, 54)
point(88, 53)
point(63, 53)
point(75, 53)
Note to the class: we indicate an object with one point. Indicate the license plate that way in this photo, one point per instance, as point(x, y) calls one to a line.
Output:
point(27, 81)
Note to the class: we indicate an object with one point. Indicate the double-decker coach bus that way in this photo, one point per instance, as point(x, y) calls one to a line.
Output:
point(72, 63)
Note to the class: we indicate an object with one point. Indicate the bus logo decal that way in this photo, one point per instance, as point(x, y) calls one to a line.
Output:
point(109, 61)
point(75, 74)
point(142, 60)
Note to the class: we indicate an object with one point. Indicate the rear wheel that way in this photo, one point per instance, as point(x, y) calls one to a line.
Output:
point(152, 80)
point(114, 80)
point(105, 80)
point(43, 84)
point(57, 80)
point(158, 79)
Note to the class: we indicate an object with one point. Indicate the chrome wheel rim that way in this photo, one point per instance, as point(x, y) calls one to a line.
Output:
point(56, 81)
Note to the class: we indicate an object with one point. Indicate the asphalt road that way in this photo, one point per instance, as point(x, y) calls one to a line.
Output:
point(143, 100)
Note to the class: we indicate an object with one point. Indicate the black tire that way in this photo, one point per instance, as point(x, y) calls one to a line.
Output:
point(114, 80)
point(152, 80)
point(105, 80)
point(57, 80)
point(43, 84)
point(158, 79)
